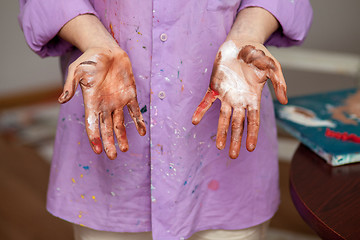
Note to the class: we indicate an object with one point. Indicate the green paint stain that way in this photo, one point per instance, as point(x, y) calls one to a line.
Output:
point(144, 109)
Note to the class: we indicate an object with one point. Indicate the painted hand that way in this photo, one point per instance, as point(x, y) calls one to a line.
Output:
point(239, 74)
point(107, 84)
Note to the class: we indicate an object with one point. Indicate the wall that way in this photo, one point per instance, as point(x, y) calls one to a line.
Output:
point(21, 69)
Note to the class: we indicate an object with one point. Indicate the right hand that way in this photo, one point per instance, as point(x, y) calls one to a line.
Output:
point(107, 83)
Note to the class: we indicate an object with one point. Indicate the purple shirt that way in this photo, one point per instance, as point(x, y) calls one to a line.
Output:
point(174, 181)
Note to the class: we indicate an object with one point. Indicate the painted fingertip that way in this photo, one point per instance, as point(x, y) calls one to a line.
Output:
point(220, 145)
point(112, 156)
point(233, 154)
point(142, 131)
point(195, 120)
point(63, 97)
point(124, 148)
point(251, 147)
point(284, 96)
point(96, 145)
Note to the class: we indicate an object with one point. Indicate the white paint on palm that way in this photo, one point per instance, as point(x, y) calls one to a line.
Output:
point(235, 90)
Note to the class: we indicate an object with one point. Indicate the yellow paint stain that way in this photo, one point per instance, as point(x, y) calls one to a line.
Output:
point(94, 198)
point(82, 196)
point(82, 175)
point(73, 180)
point(82, 225)
point(139, 33)
point(79, 143)
point(80, 216)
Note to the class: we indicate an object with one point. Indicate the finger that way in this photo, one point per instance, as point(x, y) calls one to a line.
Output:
point(223, 125)
point(120, 131)
point(204, 105)
point(237, 128)
point(134, 110)
point(253, 118)
point(92, 129)
point(277, 78)
point(71, 83)
point(106, 127)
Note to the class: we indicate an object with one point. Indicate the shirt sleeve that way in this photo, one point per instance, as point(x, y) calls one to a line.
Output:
point(41, 20)
point(294, 16)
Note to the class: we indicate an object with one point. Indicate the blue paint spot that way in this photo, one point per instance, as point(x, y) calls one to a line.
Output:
point(86, 167)
point(185, 183)
point(161, 70)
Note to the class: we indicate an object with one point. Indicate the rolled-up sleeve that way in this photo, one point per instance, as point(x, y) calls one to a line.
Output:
point(41, 20)
point(294, 16)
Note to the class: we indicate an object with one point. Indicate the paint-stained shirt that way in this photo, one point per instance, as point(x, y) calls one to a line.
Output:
point(173, 181)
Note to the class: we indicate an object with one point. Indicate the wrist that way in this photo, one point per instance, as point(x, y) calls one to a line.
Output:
point(85, 32)
point(253, 24)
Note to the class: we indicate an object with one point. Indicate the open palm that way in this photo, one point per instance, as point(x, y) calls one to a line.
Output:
point(108, 85)
point(239, 74)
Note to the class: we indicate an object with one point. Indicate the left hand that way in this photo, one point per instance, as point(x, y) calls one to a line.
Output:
point(239, 74)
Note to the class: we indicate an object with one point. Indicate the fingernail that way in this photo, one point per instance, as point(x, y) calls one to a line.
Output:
point(251, 147)
point(64, 96)
point(233, 154)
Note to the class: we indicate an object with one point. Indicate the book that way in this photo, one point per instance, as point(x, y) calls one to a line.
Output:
point(328, 123)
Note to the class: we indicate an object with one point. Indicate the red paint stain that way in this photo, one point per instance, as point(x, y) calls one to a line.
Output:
point(213, 185)
point(209, 98)
point(97, 144)
point(342, 136)
point(214, 93)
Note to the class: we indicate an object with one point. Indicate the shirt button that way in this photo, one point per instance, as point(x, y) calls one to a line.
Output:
point(163, 37)
point(161, 95)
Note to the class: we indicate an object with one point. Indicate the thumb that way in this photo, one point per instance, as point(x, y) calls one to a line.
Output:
point(71, 83)
point(277, 78)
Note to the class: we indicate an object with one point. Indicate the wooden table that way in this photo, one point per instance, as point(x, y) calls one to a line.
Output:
point(327, 198)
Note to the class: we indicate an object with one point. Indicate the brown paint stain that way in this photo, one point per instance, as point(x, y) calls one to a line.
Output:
point(112, 32)
point(88, 63)
point(256, 67)
point(250, 55)
point(108, 85)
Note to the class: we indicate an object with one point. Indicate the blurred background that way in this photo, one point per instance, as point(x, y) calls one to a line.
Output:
point(29, 87)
